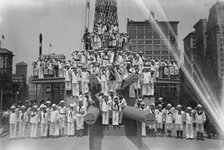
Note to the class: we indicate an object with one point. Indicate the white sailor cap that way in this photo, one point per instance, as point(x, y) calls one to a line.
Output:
point(13, 107)
point(160, 105)
point(199, 105)
point(189, 108)
point(169, 105)
point(43, 106)
point(54, 105)
point(142, 103)
point(152, 104)
point(161, 98)
point(48, 102)
point(179, 106)
point(35, 106)
point(62, 101)
point(23, 106)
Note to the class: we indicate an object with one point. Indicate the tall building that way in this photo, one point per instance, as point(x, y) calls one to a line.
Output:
point(21, 69)
point(145, 37)
point(6, 59)
point(201, 45)
point(215, 37)
point(189, 52)
point(215, 47)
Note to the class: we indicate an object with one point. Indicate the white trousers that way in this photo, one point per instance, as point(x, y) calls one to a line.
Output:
point(22, 127)
point(33, 131)
point(79, 123)
point(68, 85)
point(104, 85)
point(70, 128)
point(75, 89)
point(43, 129)
point(143, 129)
point(115, 115)
point(189, 131)
point(54, 131)
point(85, 88)
point(105, 118)
point(12, 133)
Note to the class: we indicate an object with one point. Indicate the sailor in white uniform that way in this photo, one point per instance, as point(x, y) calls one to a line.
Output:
point(168, 119)
point(80, 114)
point(152, 127)
point(23, 120)
point(62, 118)
point(189, 120)
point(115, 112)
point(200, 119)
point(179, 119)
point(85, 80)
point(44, 118)
point(159, 119)
point(71, 120)
point(54, 121)
point(12, 122)
point(75, 82)
point(122, 104)
point(35, 117)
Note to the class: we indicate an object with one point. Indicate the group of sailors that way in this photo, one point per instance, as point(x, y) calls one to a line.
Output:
point(105, 30)
point(110, 72)
point(53, 120)
point(192, 120)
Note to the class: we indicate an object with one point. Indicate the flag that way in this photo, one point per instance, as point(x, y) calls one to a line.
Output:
point(50, 45)
point(3, 37)
point(88, 5)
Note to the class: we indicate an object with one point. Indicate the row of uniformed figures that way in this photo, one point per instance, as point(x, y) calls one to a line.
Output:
point(53, 120)
point(112, 104)
point(169, 117)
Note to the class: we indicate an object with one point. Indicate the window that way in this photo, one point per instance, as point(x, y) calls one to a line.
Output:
point(149, 48)
point(157, 52)
point(164, 52)
point(148, 52)
point(221, 59)
point(3, 66)
point(156, 47)
point(156, 42)
point(140, 41)
point(148, 41)
point(133, 36)
point(133, 42)
point(3, 61)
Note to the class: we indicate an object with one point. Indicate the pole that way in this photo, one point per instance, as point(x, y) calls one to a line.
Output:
point(1, 107)
point(16, 98)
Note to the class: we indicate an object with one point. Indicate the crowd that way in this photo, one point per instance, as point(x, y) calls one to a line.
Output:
point(111, 69)
point(60, 120)
point(105, 31)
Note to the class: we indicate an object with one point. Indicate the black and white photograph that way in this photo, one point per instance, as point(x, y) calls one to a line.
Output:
point(111, 74)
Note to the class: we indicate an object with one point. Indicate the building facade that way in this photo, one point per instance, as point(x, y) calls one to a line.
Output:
point(6, 60)
point(201, 45)
point(146, 38)
point(21, 69)
point(189, 52)
point(215, 47)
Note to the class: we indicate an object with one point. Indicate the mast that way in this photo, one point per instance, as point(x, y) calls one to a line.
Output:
point(87, 14)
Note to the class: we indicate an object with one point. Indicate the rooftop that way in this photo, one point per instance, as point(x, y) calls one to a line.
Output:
point(5, 51)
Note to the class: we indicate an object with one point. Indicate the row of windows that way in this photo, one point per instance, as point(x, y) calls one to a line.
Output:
point(148, 41)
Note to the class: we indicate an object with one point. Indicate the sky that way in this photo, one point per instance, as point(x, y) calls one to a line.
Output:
point(61, 22)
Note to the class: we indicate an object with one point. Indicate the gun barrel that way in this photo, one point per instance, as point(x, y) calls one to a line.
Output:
point(138, 115)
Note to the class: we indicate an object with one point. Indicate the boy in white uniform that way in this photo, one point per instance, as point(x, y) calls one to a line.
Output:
point(54, 121)
point(152, 127)
point(122, 104)
point(44, 117)
point(168, 119)
point(105, 105)
point(189, 119)
point(115, 112)
point(35, 117)
point(80, 113)
point(71, 120)
point(104, 80)
point(85, 80)
point(159, 119)
point(23, 119)
point(12, 122)
point(142, 107)
point(75, 82)
point(200, 119)
point(178, 117)
point(62, 118)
